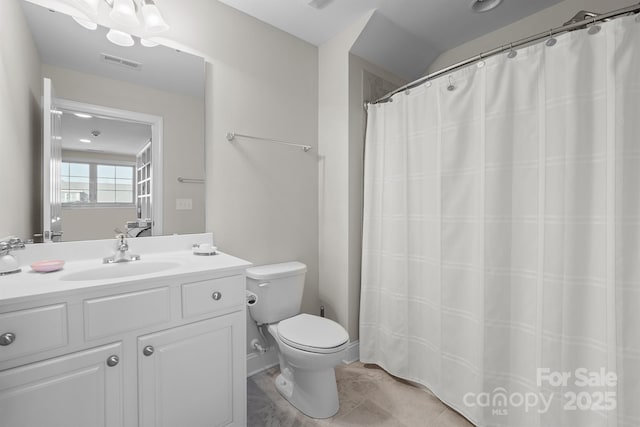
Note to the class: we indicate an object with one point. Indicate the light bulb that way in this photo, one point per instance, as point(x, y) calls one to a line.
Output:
point(148, 43)
point(153, 20)
point(124, 12)
point(120, 38)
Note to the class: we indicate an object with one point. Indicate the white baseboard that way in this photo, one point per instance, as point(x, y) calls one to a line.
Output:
point(353, 353)
point(260, 362)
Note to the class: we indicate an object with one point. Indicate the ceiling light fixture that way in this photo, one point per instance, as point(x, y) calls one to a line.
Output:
point(135, 14)
point(83, 115)
point(85, 140)
point(480, 6)
point(120, 38)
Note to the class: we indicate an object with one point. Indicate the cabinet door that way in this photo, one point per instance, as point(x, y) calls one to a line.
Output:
point(194, 375)
point(79, 389)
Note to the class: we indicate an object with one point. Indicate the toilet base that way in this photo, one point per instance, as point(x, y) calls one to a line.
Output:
point(314, 393)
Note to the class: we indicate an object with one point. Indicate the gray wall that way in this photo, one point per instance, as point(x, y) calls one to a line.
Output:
point(262, 199)
point(341, 145)
point(20, 89)
point(334, 174)
point(367, 82)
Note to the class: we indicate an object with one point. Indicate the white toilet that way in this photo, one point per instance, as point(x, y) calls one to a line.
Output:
point(309, 347)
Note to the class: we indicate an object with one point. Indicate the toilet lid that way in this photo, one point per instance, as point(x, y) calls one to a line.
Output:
point(313, 333)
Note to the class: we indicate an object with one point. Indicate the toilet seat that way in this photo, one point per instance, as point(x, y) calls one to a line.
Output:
point(313, 334)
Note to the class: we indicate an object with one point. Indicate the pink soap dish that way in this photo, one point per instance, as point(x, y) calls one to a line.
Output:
point(47, 266)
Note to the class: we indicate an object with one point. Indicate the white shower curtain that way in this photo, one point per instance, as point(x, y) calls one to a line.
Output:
point(501, 250)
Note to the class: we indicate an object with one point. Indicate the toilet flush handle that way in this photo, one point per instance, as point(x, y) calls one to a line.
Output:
point(262, 285)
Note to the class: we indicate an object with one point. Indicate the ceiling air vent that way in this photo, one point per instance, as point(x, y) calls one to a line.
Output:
point(122, 62)
point(319, 4)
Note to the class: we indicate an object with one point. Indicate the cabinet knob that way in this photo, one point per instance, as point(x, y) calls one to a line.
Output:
point(148, 350)
point(7, 338)
point(217, 296)
point(112, 361)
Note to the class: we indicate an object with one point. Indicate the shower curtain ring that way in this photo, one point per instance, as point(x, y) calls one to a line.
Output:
point(451, 87)
point(481, 62)
point(512, 53)
point(594, 28)
point(552, 40)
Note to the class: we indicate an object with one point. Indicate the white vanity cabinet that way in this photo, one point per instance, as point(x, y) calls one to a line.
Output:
point(162, 352)
point(79, 389)
point(186, 374)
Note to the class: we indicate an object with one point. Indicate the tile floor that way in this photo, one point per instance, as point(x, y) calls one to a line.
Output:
point(368, 397)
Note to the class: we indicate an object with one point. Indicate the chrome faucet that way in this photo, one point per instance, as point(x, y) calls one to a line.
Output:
point(8, 263)
point(122, 252)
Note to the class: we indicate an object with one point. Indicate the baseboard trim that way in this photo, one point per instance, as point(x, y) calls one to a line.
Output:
point(257, 363)
point(353, 352)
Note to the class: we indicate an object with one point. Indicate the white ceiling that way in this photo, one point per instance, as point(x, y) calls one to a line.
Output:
point(116, 135)
point(404, 36)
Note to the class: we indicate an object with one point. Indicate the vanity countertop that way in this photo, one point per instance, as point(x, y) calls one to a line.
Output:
point(20, 286)
point(89, 272)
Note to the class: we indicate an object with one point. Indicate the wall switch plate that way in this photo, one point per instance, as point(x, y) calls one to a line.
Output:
point(184, 204)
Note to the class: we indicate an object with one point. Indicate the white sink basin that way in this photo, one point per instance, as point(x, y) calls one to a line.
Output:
point(117, 270)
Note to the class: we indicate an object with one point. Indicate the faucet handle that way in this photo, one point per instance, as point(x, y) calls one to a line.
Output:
point(122, 245)
point(10, 243)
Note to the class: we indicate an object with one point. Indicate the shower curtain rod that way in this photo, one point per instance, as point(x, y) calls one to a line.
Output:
point(528, 40)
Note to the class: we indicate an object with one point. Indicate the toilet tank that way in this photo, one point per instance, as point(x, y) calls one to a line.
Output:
point(279, 289)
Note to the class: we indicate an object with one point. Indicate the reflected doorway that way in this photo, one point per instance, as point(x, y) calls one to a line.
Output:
point(110, 176)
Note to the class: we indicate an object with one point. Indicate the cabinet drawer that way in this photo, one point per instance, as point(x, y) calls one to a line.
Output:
point(116, 314)
point(34, 330)
point(214, 296)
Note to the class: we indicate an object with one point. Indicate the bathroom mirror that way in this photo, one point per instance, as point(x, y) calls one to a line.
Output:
point(87, 69)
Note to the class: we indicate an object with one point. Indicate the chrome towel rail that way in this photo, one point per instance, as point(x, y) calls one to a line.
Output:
point(232, 135)
point(190, 180)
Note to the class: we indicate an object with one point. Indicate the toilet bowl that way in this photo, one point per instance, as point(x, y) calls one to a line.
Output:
point(309, 347)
